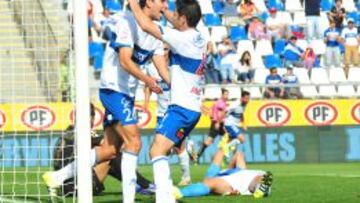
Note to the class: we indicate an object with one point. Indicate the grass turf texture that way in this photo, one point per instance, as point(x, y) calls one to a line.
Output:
point(332, 182)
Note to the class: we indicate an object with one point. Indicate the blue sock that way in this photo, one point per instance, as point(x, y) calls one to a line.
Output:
point(195, 190)
point(212, 171)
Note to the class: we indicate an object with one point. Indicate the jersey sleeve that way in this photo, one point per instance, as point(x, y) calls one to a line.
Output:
point(159, 50)
point(123, 35)
point(171, 36)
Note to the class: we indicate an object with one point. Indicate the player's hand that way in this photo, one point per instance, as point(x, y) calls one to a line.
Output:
point(152, 84)
point(217, 126)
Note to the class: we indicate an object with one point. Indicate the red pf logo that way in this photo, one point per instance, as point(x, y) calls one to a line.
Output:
point(2, 119)
point(274, 114)
point(355, 112)
point(321, 113)
point(38, 117)
point(143, 115)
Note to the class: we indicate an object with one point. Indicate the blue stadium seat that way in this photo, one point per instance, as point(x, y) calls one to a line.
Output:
point(355, 16)
point(279, 46)
point(264, 16)
point(113, 5)
point(278, 4)
point(358, 5)
point(326, 5)
point(237, 33)
point(212, 19)
point(171, 5)
point(218, 7)
point(273, 61)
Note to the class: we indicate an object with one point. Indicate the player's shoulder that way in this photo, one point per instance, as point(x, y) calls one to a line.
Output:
point(198, 39)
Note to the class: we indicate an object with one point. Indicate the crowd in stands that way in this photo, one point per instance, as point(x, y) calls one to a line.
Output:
point(247, 35)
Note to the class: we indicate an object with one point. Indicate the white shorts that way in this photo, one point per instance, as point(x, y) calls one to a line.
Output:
point(240, 180)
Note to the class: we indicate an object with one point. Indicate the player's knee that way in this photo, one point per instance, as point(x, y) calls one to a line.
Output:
point(133, 144)
point(242, 138)
point(208, 141)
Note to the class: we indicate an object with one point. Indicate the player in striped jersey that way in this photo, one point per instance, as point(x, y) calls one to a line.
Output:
point(187, 58)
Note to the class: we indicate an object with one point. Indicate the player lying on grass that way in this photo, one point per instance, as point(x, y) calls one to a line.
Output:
point(236, 180)
point(64, 154)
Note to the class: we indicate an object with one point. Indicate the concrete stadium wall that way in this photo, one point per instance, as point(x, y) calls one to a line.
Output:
point(263, 145)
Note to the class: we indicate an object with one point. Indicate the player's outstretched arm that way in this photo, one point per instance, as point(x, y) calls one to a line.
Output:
point(169, 15)
point(125, 54)
point(143, 20)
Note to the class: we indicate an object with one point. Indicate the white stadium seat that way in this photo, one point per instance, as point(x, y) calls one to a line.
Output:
point(206, 6)
point(264, 47)
point(318, 46)
point(260, 4)
point(212, 92)
point(260, 75)
point(205, 32)
point(302, 44)
point(234, 91)
point(293, 5)
point(299, 18)
point(245, 45)
point(217, 33)
point(303, 77)
point(319, 76)
point(324, 22)
point(255, 92)
point(349, 5)
point(337, 75)
point(281, 71)
point(257, 61)
point(354, 77)
point(285, 17)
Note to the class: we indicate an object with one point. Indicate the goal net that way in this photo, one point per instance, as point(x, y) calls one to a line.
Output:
point(37, 96)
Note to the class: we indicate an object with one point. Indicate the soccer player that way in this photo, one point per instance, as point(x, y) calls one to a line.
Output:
point(234, 121)
point(163, 101)
point(129, 48)
point(234, 181)
point(218, 112)
point(187, 58)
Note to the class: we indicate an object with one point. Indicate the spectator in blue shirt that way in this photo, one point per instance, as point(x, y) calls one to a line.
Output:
point(275, 91)
point(332, 38)
point(290, 78)
point(292, 53)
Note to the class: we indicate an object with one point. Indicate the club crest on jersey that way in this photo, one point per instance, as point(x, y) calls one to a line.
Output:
point(180, 133)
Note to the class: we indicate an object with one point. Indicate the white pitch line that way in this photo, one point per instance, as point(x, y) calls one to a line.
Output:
point(325, 175)
point(8, 200)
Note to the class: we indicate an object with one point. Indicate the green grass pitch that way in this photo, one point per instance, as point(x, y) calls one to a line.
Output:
point(303, 183)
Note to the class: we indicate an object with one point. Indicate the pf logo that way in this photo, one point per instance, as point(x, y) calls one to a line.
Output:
point(99, 116)
point(143, 115)
point(38, 117)
point(321, 113)
point(274, 114)
point(355, 113)
point(2, 119)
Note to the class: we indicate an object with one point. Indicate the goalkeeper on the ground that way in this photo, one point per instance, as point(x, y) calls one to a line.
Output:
point(64, 154)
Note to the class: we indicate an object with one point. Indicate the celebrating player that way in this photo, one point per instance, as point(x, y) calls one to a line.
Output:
point(129, 48)
point(187, 60)
point(234, 181)
point(163, 101)
point(218, 112)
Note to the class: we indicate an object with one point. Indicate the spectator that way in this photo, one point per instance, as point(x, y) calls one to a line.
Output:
point(309, 58)
point(350, 37)
point(231, 15)
point(248, 10)
point(292, 53)
point(337, 14)
point(244, 68)
point(331, 38)
point(275, 91)
point(275, 26)
point(257, 29)
point(290, 78)
point(312, 13)
point(228, 57)
point(212, 75)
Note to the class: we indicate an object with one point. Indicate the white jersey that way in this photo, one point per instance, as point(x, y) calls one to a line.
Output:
point(240, 180)
point(187, 60)
point(126, 33)
point(163, 100)
point(234, 114)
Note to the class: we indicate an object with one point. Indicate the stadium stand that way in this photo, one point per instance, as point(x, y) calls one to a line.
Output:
point(269, 53)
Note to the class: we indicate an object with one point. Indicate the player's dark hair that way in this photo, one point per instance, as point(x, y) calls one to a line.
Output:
point(142, 3)
point(223, 91)
point(190, 9)
point(92, 109)
point(245, 93)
